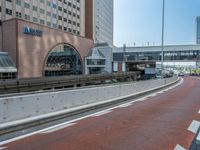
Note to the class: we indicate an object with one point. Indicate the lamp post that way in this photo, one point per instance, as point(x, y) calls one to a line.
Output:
point(163, 28)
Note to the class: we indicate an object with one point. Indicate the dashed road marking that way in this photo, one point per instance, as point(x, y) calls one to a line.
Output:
point(125, 105)
point(160, 92)
point(58, 128)
point(141, 99)
point(179, 147)
point(194, 126)
point(101, 113)
point(152, 95)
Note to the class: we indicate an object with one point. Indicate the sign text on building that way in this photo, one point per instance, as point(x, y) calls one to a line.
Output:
point(31, 31)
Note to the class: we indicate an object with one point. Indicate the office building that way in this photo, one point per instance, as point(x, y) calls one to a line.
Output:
point(45, 37)
point(198, 30)
point(100, 18)
point(66, 15)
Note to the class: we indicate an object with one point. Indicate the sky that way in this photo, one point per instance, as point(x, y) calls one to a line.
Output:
point(139, 22)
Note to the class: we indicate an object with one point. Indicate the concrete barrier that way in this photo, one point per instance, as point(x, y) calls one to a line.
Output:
point(29, 107)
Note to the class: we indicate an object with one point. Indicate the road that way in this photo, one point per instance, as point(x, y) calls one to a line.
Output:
point(166, 120)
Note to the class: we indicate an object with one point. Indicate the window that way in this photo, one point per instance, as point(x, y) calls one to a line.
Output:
point(63, 60)
point(35, 19)
point(18, 2)
point(60, 8)
point(48, 13)
point(42, 1)
point(26, 5)
point(27, 17)
point(35, 8)
point(49, 3)
point(59, 18)
point(54, 6)
point(8, 11)
point(60, 27)
point(54, 16)
point(49, 24)
point(18, 14)
point(54, 25)
point(42, 11)
point(41, 21)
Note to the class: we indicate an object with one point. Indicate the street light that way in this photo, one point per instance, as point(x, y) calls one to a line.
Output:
point(163, 28)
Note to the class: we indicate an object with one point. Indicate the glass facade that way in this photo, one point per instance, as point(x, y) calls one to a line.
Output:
point(63, 60)
point(96, 62)
point(156, 56)
point(7, 67)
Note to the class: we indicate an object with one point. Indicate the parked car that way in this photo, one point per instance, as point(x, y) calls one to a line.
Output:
point(181, 74)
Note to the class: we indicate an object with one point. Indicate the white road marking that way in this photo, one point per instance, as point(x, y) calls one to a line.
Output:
point(78, 119)
point(152, 95)
point(194, 126)
point(57, 128)
point(198, 137)
point(160, 92)
point(199, 112)
point(125, 105)
point(3, 148)
point(179, 147)
point(101, 113)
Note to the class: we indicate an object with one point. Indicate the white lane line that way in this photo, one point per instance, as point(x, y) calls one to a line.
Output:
point(152, 95)
point(101, 113)
point(71, 121)
point(160, 92)
point(142, 99)
point(199, 112)
point(125, 105)
point(179, 147)
point(194, 126)
point(57, 128)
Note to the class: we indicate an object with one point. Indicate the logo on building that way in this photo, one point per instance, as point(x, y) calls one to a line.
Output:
point(31, 31)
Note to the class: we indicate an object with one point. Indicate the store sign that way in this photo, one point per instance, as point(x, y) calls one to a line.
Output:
point(31, 31)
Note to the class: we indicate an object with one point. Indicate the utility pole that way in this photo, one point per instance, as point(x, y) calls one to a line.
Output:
point(163, 29)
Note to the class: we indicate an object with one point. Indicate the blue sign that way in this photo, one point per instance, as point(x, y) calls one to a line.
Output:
point(33, 32)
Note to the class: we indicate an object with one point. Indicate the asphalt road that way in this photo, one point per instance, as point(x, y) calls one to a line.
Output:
point(166, 120)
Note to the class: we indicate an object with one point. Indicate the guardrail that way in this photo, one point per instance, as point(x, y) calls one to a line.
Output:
point(36, 84)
